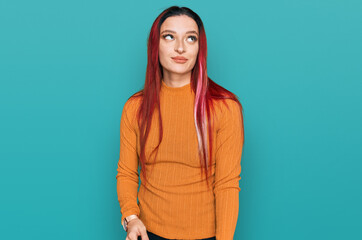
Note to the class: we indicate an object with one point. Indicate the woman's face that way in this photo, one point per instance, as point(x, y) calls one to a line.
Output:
point(179, 37)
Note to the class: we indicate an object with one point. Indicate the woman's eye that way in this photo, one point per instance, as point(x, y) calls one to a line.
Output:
point(165, 36)
point(193, 38)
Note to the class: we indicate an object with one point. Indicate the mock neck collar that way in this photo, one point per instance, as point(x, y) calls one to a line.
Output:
point(175, 90)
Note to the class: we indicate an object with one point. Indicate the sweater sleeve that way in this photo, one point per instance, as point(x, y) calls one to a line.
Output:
point(127, 170)
point(227, 170)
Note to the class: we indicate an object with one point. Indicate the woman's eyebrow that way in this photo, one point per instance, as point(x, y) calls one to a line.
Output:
point(175, 32)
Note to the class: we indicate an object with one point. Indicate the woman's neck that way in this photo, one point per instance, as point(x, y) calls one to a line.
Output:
point(176, 80)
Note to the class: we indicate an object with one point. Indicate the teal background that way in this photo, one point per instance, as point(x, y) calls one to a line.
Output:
point(67, 68)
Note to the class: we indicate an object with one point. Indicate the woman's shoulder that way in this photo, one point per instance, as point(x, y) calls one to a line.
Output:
point(134, 100)
point(223, 99)
point(226, 111)
point(132, 104)
point(223, 106)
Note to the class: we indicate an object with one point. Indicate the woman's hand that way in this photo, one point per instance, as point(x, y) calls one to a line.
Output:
point(136, 228)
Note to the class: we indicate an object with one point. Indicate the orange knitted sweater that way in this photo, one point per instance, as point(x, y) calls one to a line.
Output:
point(176, 203)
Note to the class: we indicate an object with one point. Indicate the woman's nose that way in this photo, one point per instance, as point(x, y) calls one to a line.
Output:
point(179, 46)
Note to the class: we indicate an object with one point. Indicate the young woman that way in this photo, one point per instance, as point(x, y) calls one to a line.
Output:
point(186, 132)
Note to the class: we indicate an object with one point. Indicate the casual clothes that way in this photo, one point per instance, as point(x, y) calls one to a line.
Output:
point(176, 203)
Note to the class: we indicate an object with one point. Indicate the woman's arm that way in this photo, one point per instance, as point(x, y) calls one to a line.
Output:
point(127, 176)
point(227, 170)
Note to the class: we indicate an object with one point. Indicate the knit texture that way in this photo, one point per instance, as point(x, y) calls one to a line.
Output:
point(176, 202)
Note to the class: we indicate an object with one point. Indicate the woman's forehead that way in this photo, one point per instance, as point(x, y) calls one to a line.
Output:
point(179, 24)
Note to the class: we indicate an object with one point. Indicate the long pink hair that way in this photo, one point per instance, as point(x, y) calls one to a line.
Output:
point(204, 88)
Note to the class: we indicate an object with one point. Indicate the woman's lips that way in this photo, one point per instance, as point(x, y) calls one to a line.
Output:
point(180, 59)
